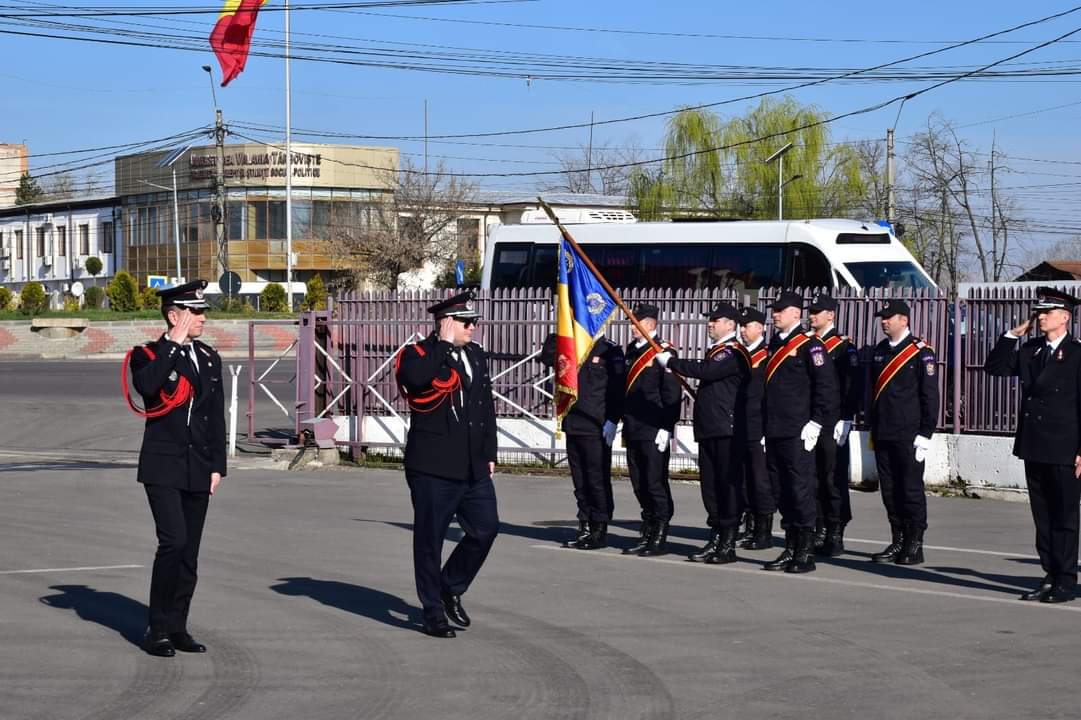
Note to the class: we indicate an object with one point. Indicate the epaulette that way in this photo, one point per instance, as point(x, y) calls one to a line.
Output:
point(921, 345)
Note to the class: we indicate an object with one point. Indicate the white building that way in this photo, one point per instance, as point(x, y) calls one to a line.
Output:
point(50, 243)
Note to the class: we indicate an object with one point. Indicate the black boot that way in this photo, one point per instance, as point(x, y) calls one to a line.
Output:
point(819, 536)
point(835, 540)
point(763, 534)
point(726, 548)
point(582, 534)
point(891, 551)
point(658, 541)
point(645, 532)
point(597, 537)
point(804, 559)
point(785, 557)
point(747, 531)
point(705, 553)
point(912, 552)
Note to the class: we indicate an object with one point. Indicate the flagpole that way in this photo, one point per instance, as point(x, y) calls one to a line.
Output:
point(288, 169)
point(611, 291)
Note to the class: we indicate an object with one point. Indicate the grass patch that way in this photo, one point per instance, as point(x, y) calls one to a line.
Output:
point(154, 314)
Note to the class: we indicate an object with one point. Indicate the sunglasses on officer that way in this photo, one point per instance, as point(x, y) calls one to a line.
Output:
point(468, 322)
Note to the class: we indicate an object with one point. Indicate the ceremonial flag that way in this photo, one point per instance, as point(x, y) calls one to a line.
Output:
point(231, 37)
point(583, 309)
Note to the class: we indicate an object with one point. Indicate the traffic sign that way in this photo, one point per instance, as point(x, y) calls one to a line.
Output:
point(229, 283)
point(157, 281)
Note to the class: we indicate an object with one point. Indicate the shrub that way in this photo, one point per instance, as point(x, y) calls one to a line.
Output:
point(316, 297)
point(72, 304)
point(6, 296)
point(33, 300)
point(149, 299)
point(123, 293)
point(93, 265)
point(94, 297)
point(273, 299)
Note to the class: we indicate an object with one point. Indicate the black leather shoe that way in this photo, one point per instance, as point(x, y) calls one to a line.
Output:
point(725, 552)
point(762, 539)
point(819, 537)
point(1059, 594)
point(453, 605)
point(912, 549)
point(438, 628)
point(645, 532)
point(803, 560)
point(835, 541)
point(706, 552)
point(891, 551)
point(158, 644)
point(658, 541)
point(583, 532)
point(596, 538)
point(782, 560)
point(184, 642)
point(1037, 595)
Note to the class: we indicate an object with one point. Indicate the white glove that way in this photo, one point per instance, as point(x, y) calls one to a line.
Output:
point(609, 432)
point(663, 358)
point(762, 442)
point(662, 439)
point(840, 432)
point(809, 435)
point(921, 444)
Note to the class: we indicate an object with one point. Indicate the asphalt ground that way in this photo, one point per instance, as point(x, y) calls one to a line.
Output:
point(306, 601)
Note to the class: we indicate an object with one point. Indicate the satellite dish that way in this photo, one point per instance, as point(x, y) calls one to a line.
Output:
point(77, 289)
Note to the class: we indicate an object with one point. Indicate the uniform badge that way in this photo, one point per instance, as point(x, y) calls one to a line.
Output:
point(722, 355)
point(1058, 355)
point(172, 376)
point(818, 359)
point(596, 359)
point(930, 368)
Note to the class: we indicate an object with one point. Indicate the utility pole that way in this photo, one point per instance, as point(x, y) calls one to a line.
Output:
point(890, 170)
point(218, 213)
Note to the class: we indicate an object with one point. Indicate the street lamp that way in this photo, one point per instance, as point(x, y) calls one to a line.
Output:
point(210, 75)
point(169, 161)
point(779, 157)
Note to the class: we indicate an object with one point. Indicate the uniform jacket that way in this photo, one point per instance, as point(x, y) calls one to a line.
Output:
point(754, 397)
point(1049, 420)
point(177, 452)
point(908, 405)
point(803, 387)
point(653, 402)
point(600, 387)
point(457, 439)
point(846, 362)
point(720, 406)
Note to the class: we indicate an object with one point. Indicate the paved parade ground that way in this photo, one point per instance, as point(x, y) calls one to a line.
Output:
point(306, 601)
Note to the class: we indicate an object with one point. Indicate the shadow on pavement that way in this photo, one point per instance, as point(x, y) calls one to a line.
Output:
point(357, 599)
point(117, 612)
point(937, 575)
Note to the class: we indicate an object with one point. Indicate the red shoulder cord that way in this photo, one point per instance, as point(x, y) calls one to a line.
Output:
point(169, 402)
point(427, 400)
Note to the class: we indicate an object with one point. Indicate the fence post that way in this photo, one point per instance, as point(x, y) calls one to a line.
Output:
point(958, 362)
point(251, 380)
point(305, 383)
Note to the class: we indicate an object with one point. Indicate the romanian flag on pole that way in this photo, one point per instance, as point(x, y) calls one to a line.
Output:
point(231, 37)
point(583, 309)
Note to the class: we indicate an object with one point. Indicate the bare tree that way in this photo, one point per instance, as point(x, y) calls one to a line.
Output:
point(62, 186)
point(416, 226)
point(596, 169)
point(871, 160)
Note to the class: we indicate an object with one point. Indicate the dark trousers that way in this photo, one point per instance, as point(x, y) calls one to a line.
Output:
point(792, 469)
point(900, 478)
point(178, 522)
point(831, 470)
point(648, 468)
point(436, 501)
point(721, 476)
point(1053, 495)
point(762, 493)
point(590, 460)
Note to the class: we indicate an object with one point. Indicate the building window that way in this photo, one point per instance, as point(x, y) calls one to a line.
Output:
point(108, 239)
point(18, 244)
point(41, 241)
point(84, 239)
point(62, 240)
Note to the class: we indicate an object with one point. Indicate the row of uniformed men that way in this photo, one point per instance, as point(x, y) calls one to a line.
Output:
point(769, 417)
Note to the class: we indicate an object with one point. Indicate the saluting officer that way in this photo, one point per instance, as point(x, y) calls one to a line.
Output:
point(1048, 435)
point(720, 427)
point(904, 412)
point(650, 413)
point(831, 460)
point(590, 427)
point(450, 456)
point(759, 486)
point(800, 399)
point(182, 458)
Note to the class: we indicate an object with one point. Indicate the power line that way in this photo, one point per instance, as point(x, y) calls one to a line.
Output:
point(167, 10)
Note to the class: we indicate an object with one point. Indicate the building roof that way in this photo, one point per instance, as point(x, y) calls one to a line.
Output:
point(77, 203)
point(1054, 270)
point(520, 197)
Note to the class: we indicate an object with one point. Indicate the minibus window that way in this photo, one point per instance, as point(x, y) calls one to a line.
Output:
point(888, 274)
point(510, 267)
point(807, 267)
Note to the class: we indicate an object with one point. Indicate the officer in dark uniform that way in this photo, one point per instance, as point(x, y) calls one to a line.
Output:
point(590, 427)
point(800, 400)
point(904, 412)
point(720, 428)
point(650, 413)
point(760, 489)
point(1048, 435)
point(182, 458)
point(450, 456)
point(831, 453)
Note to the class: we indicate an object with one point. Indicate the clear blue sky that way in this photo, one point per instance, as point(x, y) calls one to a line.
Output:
point(63, 95)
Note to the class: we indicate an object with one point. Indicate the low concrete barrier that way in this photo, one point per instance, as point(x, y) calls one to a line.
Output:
point(59, 328)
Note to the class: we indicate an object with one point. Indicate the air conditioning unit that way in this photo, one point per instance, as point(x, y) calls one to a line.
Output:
point(47, 261)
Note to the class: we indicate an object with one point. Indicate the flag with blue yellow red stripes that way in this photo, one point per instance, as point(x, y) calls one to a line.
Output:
point(583, 309)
